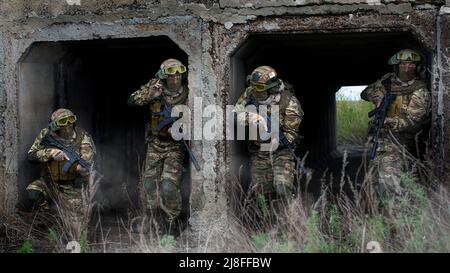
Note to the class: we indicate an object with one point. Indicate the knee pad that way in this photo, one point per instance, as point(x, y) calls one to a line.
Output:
point(35, 196)
point(283, 191)
point(149, 184)
point(168, 190)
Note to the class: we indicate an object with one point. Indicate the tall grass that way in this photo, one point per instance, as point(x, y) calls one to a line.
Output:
point(351, 120)
point(49, 230)
point(350, 220)
point(72, 223)
point(353, 220)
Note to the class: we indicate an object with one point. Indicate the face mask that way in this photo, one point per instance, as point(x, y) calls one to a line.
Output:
point(66, 132)
point(173, 83)
point(406, 72)
point(260, 96)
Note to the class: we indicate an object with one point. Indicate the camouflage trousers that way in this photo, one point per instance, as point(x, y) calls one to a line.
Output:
point(389, 165)
point(66, 195)
point(162, 176)
point(272, 172)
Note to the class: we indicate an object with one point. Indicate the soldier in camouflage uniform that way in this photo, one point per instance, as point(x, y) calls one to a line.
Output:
point(55, 184)
point(272, 172)
point(404, 119)
point(164, 160)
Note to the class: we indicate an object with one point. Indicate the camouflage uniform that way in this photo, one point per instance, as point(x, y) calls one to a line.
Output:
point(404, 120)
point(274, 171)
point(54, 184)
point(164, 160)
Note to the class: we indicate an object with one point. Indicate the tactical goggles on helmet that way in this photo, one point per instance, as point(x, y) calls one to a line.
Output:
point(404, 56)
point(174, 69)
point(260, 87)
point(408, 56)
point(66, 120)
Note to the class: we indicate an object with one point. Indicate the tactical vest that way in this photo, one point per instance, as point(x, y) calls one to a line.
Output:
point(403, 95)
point(285, 98)
point(55, 168)
point(157, 105)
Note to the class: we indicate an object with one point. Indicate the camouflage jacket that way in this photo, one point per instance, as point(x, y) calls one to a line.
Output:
point(291, 112)
point(144, 96)
point(410, 108)
point(82, 144)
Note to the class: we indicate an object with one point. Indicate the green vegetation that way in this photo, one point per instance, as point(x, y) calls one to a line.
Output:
point(351, 120)
point(26, 247)
point(168, 243)
point(416, 221)
point(263, 204)
point(260, 240)
point(84, 243)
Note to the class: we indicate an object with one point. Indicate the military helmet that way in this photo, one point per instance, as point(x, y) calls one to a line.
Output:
point(405, 55)
point(61, 117)
point(263, 78)
point(170, 66)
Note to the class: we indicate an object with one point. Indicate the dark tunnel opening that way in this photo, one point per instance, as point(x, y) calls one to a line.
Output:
point(94, 79)
point(317, 65)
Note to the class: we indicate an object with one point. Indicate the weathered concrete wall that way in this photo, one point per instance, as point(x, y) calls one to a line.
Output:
point(208, 31)
point(4, 191)
point(8, 131)
point(211, 10)
point(442, 99)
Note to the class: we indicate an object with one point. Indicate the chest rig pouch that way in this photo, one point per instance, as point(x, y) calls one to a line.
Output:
point(403, 95)
point(158, 107)
point(55, 168)
point(285, 97)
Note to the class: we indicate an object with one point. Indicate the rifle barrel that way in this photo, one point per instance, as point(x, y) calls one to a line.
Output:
point(193, 159)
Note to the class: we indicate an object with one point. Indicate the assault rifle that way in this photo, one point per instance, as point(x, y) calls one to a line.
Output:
point(300, 168)
point(379, 115)
point(168, 119)
point(49, 140)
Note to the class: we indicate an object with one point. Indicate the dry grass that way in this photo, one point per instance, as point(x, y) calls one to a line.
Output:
point(44, 231)
point(346, 221)
point(71, 226)
point(418, 221)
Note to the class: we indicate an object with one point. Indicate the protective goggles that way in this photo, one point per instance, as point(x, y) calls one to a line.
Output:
point(408, 56)
point(404, 56)
point(174, 69)
point(260, 87)
point(66, 120)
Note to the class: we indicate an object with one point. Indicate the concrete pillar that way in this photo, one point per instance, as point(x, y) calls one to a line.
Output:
point(443, 66)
